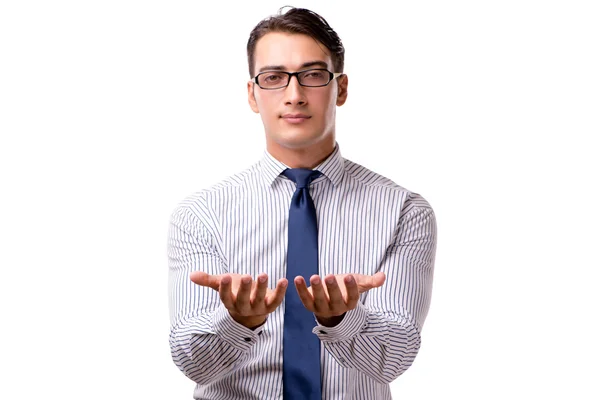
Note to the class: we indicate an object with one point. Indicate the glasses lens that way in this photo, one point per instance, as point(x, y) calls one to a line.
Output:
point(314, 77)
point(272, 79)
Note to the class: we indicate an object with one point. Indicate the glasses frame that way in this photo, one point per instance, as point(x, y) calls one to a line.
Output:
point(332, 76)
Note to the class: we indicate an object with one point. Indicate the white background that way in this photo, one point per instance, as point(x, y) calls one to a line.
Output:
point(111, 112)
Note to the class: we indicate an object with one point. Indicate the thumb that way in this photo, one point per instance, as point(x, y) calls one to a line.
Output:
point(366, 282)
point(204, 279)
point(378, 279)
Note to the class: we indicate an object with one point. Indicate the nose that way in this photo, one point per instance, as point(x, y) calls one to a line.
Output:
point(294, 93)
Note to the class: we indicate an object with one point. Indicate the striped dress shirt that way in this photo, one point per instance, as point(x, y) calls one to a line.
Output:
point(367, 224)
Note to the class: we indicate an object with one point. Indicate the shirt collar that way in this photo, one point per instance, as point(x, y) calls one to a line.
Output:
point(332, 167)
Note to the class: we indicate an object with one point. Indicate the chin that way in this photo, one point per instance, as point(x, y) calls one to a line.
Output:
point(296, 140)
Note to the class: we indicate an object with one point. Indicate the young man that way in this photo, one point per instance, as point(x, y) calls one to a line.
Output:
point(245, 324)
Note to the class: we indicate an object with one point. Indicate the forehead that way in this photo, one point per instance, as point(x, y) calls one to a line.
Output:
point(289, 50)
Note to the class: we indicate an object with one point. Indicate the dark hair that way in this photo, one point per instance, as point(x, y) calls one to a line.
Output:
point(303, 21)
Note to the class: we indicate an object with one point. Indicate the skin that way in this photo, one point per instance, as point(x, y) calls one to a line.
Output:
point(298, 145)
point(307, 144)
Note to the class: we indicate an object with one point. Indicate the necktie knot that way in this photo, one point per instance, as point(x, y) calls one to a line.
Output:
point(301, 176)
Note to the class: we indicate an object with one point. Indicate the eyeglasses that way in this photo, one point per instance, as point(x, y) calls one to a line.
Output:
point(310, 78)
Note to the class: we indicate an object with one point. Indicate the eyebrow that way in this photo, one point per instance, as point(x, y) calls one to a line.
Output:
point(322, 64)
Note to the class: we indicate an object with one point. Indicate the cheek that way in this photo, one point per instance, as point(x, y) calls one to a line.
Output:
point(328, 105)
point(267, 106)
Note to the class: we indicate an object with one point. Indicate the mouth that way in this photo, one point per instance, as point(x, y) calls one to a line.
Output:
point(295, 118)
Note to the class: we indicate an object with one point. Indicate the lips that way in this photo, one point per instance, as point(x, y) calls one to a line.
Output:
point(295, 118)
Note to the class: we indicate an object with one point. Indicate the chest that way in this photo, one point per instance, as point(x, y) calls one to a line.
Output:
point(354, 233)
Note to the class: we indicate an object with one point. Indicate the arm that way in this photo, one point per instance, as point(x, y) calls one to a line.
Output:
point(380, 335)
point(206, 342)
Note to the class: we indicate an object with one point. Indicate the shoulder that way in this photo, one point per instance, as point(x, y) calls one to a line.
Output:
point(364, 176)
point(365, 179)
point(199, 204)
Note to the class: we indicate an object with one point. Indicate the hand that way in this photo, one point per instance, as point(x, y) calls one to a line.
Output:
point(340, 294)
point(249, 302)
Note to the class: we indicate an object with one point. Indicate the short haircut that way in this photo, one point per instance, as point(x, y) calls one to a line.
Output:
point(302, 21)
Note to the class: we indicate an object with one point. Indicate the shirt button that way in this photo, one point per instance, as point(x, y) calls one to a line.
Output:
point(342, 360)
point(247, 339)
point(323, 332)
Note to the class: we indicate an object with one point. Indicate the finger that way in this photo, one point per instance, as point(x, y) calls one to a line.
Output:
point(277, 296)
point(351, 292)
point(321, 300)
point(258, 295)
point(336, 299)
point(204, 279)
point(242, 298)
point(368, 282)
point(225, 292)
point(378, 279)
point(304, 294)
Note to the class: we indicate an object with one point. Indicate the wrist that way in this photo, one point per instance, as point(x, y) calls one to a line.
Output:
point(250, 322)
point(330, 321)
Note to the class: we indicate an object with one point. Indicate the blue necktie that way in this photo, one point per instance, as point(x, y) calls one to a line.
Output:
point(301, 348)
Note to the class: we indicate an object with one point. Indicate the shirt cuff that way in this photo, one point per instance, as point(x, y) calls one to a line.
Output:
point(237, 335)
point(353, 323)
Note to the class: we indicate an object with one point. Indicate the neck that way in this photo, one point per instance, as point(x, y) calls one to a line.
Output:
point(302, 157)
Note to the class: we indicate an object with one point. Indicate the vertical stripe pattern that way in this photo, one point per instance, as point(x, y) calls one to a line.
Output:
point(367, 224)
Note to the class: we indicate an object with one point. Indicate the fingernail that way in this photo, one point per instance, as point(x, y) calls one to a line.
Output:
point(262, 279)
point(349, 279)
point(329, 280)
point(317, 280)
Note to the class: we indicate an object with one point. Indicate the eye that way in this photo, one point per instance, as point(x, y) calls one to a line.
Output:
point(314, 75)
point(272, 78)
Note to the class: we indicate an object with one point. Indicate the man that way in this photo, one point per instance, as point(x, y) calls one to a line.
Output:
point(245, 324)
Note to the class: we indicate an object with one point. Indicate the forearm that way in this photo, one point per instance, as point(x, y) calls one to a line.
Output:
point(211, 346)
point(378, 346)
point(206, 343)
point(381, 337)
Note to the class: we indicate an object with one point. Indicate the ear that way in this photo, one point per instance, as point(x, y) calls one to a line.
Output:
point(251, 98)
point(342, 94)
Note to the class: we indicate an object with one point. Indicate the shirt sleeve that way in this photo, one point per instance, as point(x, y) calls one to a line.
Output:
point(382, 335)
point(206, 343)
